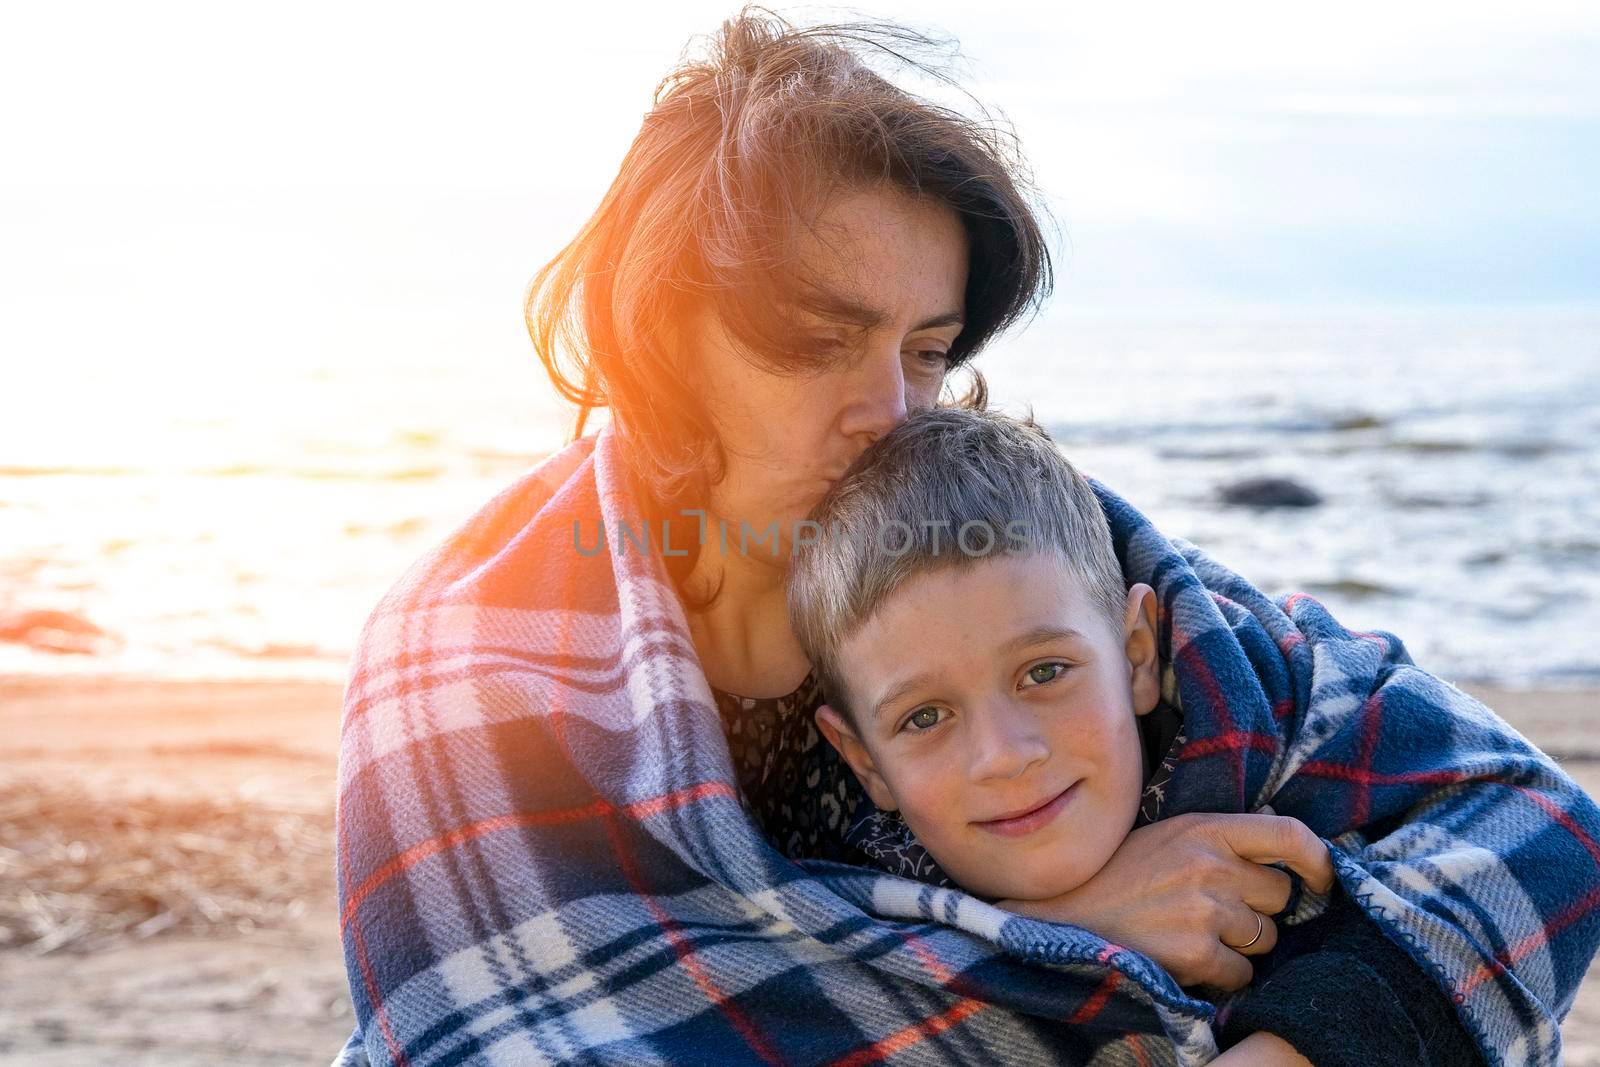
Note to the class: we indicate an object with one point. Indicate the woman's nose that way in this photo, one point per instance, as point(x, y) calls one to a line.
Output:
point(877, 395)
point(1005, 740)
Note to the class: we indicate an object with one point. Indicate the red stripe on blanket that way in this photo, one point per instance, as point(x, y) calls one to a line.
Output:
point(597, 809)
point(1228, 738)
point(1560, 921)
point(680, 945)
point(1379, 638)
point(902, 1039)
point(1563, 919)
point(940, 972)
point(1232, 741)
point(1566, 821)
point(910, 1035)
point(1366, 755)
point(1295, 598)
point(656, 805)
point(374, 995)
point(1097, 1001)
point(1294, 638)
point(683, 948)
point(1504, 961)
point(1324, 769)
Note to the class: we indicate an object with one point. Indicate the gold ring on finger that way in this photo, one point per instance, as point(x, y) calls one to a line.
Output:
point(1261, 927)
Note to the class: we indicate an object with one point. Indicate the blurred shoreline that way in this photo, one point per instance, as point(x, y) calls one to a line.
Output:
point(1433, 476)
point(261, 982)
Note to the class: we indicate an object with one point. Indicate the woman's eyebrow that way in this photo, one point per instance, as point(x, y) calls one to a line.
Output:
point(949, 318)
point(853, 312)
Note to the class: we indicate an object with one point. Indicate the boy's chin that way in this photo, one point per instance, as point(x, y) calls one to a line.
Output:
point(1040, 888)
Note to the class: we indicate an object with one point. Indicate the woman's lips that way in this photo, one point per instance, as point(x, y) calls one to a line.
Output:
point(1029, 821)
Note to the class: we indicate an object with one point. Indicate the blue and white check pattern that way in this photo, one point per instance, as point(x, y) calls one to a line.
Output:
point(542, 857)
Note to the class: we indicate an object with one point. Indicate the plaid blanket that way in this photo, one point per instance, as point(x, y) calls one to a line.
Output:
point(542, 857)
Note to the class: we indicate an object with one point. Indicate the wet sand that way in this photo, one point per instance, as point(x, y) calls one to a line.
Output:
point(276, 994)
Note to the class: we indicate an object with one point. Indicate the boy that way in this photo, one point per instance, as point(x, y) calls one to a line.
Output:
point(997, 688)
point(987, 678)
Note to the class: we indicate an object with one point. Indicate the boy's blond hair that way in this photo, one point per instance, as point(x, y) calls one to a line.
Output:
point(990, 479)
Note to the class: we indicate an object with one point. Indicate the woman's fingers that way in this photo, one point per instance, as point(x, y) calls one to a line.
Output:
point(1248, 932)
point(1225, 963)
point(1227, 970)
point(1264, 889)
point(1177, 889)
point(1279, 839)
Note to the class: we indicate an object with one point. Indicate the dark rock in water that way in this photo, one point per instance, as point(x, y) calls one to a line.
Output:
point(1430, 446)
point(1569, 549)
point(1201, 453)
point(1270, 493)
point(1444, 499)
point(1354, 588)
point(1528, 449)
point(52, 631)
point(1356, 421)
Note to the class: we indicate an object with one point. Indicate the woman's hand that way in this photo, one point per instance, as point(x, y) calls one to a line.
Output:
point(1187, 891)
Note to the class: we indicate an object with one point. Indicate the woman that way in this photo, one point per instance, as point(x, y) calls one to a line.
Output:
point(546, 853)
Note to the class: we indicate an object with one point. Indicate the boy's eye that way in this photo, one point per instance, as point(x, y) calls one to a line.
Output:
point(924, 718)
point(1046, 672)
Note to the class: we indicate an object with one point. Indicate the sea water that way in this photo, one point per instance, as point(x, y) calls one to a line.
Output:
point(242, 523)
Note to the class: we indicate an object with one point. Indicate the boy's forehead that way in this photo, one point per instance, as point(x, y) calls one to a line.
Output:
point(904, 643)
point(1048, 582)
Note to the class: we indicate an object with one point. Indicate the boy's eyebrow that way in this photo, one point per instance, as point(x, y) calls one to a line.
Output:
point(1035, 636)
point(896, 692)
point(1039, 635)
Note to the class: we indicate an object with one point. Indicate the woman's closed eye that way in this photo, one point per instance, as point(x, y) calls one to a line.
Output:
point(826, 347)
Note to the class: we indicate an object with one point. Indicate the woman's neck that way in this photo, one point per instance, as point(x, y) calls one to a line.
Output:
point(743, 638)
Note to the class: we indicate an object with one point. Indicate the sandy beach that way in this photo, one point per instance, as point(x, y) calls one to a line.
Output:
point(240, 776)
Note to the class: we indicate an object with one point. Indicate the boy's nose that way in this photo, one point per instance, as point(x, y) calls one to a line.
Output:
point(1005, 742)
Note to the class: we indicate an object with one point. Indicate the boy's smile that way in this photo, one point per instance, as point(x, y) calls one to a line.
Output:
point(995, 707)
point(1030, 819)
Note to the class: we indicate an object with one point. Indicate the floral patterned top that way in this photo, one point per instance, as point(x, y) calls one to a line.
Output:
point(801, 794)
point(808, 803)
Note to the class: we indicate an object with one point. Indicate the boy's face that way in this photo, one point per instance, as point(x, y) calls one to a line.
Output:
point(995, 707)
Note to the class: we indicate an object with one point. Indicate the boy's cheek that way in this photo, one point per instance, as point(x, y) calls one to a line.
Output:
point(936, 822)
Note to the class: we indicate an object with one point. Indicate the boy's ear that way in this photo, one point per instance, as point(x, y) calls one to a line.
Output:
point(1139, 641)
point(836, 728)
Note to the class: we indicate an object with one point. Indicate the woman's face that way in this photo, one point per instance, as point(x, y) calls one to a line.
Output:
point(896, 267)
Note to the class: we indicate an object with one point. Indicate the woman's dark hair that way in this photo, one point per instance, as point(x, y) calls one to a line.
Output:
point(740, 151)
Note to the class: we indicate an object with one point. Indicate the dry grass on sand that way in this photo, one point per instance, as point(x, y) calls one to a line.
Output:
point(166, 870)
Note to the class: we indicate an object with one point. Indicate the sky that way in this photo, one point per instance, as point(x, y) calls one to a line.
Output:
point(304, 182)
point(294, 238)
